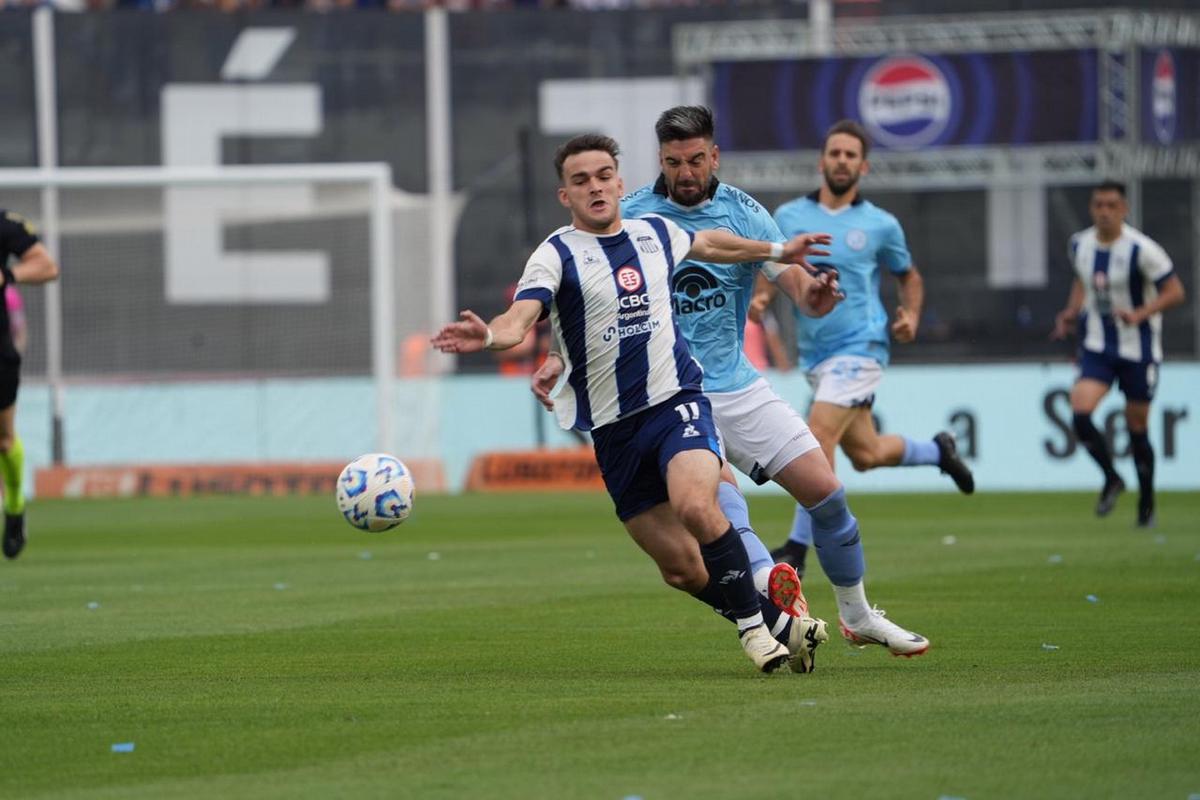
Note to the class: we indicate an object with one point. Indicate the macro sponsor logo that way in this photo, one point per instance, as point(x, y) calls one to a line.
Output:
point(1163, 97)
point(695, 290)
point(905, 102)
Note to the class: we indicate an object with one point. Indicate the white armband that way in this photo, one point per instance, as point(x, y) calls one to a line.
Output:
point(776, 251)
point(488, 338)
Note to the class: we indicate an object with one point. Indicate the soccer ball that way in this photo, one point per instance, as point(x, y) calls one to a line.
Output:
point(375, 492)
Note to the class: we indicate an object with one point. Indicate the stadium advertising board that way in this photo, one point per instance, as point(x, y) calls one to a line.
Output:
point(910, 101)
point(1170, 93)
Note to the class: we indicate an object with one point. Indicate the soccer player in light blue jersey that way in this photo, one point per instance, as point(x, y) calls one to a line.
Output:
point(630, 379)
point(1123, 282)
point(844, 353)
point(764, 437)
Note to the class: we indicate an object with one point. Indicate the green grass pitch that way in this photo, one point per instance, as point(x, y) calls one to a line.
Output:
point(523, 647)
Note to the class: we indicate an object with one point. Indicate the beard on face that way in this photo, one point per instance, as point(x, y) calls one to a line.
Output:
point(686, 196)
point(840, 184)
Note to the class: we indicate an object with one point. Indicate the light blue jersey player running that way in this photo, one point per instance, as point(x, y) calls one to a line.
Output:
point(844, 353)
point(632, 382)
point(764, 437)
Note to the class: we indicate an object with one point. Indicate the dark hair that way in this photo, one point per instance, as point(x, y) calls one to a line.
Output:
point(684, 122)
point(582, 144)
point(1110, 185)
point(850, 128)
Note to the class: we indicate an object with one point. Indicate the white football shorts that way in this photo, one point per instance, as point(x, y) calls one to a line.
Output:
point(846, 381)
point(761, 433)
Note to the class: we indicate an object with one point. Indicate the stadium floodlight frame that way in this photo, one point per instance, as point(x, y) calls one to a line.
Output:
point(377, 176)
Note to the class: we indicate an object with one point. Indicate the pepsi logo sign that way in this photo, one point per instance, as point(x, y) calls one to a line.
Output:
point(1162, 97)
point(905, 102)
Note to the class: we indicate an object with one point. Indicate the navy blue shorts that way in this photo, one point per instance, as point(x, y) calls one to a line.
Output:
point(633, 453)
point(1137, 380)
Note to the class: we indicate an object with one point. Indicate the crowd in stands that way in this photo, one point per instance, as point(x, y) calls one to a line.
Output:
point(337, 5)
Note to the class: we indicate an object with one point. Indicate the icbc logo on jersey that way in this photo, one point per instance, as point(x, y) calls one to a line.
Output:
point(1162, 102)
point(905, 102)
point(629, 279)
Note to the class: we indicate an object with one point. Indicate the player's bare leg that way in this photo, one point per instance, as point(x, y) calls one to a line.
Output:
point(692, 478)
point(1086, 394)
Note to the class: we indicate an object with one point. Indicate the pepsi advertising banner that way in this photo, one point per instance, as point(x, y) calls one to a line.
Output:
point(909, 102)
point(1170, 83)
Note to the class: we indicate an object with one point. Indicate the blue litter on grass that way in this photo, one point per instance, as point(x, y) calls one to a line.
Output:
point(1091, 598)
point(1049, 646)
point(365, 555)
point(123, 747)
point(92, 606)
point(1054, 559)
point(280, 586)
point(951, 797)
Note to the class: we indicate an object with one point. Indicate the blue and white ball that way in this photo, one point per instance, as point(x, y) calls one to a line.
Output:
point(375, 492)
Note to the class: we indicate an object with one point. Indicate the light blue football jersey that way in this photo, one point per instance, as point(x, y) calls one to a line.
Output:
point(710, 300)
point(865, 238)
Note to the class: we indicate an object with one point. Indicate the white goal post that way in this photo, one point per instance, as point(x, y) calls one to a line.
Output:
point(370, 198)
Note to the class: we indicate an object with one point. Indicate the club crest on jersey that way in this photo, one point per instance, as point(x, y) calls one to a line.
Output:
point(856, 239)
point(905, 102)
point(629, 279)
point(647, 244)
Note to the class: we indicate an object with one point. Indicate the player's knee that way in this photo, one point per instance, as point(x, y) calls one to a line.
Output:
point(685, 580)
point(695, 511)
point(862, 458)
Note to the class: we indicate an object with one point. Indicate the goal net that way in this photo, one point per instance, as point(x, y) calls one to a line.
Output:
point(256, 312)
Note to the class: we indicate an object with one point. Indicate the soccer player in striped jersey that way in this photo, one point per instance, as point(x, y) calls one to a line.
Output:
point(763, 435)
point(631, 380)
point(1123, 282)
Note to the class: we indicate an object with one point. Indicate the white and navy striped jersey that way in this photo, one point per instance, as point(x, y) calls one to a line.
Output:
point(1121, 275)
point(609, 300)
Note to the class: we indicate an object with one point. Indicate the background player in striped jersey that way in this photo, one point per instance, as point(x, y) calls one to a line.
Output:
point(631, 380)
point(33, 265)
point(844, 353)
point(1123, 282)
point(763, 436)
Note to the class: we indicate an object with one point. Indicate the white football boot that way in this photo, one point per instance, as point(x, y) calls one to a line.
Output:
point(766, 653)
point(804, 636)
point(877, 629)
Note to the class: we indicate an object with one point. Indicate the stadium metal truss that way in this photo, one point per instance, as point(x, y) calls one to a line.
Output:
point(1115, 35)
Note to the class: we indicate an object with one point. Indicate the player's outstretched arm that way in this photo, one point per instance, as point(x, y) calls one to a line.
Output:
point(471, 334)
point(722, 247)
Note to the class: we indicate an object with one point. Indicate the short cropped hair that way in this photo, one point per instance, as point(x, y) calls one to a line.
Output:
point(1110, 185)
point(584, 143)
point(850, 128)
point(684, 122)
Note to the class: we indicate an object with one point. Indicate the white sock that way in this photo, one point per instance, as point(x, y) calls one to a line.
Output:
point(746, 623)
point(852, 604)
